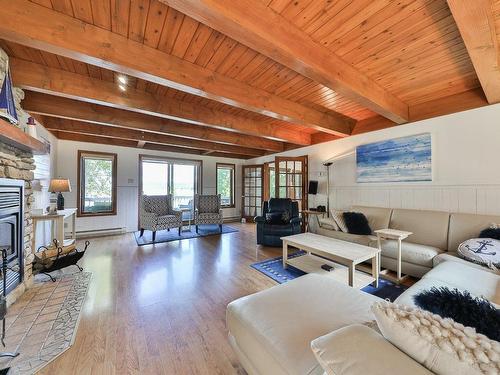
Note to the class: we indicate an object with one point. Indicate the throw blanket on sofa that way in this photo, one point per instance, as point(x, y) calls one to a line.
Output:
point(484, 251)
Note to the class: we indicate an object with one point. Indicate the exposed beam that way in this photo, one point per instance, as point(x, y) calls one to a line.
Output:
point(477, 26)
point(72, 126)
point(53, 106)
point(257, 26)
point(54, 32)
point(39, 78)
point(444, 106)
point(133, 144)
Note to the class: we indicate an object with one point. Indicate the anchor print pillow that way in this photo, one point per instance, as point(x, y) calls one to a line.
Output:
point(483, 251)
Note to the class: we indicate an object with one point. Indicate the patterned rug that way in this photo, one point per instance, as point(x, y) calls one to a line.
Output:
point(173, 234)
point(42, 324)
point(273, 268)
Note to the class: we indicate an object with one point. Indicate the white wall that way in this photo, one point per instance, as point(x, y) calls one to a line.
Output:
point(466, 157)
point(127, 181)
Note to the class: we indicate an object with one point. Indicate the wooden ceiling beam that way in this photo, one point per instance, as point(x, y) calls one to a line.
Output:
point(476, 23)
point(53, 106)
point(72, 126)
point(39, 78)
point(259, 27)
point(54, 32)
point(444, 106)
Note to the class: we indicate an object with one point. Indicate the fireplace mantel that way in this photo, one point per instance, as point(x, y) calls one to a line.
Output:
point(14, 136)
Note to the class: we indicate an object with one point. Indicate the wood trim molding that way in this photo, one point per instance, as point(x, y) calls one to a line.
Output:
point(80, 212)
point(54, 32)
point(233, 188)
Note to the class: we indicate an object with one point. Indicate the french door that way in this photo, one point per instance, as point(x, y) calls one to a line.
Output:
point(291, 179)
point(253, 191)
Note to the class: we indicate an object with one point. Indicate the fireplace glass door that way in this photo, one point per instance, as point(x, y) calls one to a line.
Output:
point(8, 236)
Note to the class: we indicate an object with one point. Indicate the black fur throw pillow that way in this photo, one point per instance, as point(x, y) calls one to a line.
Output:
point(490, 233)
point(356, 223)
point(462, 308)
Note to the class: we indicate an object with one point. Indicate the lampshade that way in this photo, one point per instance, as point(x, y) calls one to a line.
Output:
point(59, 185)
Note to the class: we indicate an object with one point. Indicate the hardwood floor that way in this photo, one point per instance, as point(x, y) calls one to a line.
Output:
point(160, 309)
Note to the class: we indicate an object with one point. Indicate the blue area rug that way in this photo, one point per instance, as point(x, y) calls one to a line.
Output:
point(273, 268)
point(173, 234)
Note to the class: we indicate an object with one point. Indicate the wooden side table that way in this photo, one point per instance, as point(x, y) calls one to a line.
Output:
point(392, 234)
point(307, 217)
point(57, 228)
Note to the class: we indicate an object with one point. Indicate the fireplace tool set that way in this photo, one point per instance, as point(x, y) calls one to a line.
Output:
point(46, 263)
point(3, 304)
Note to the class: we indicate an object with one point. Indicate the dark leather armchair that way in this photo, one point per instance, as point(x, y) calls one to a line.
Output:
point(269, 234)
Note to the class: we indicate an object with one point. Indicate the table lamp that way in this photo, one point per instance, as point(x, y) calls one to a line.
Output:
point(59, 185)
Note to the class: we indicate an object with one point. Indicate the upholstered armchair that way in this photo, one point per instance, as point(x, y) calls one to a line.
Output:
point(207, 210)
point(280, 217)
point(157, 214)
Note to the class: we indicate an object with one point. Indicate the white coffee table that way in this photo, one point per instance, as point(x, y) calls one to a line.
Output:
point(341, 255)
point(393, 234)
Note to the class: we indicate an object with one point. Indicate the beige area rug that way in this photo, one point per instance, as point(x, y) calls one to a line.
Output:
point(42, 324)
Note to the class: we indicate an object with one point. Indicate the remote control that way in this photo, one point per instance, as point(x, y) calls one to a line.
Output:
point(327, 267)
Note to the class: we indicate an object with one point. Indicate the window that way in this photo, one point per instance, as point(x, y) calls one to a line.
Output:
point(225, 183)
point(96, 183)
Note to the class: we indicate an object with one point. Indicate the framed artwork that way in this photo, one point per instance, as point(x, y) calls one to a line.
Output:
point(405, 159)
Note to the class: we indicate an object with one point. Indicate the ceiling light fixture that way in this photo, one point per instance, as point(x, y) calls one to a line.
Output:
point(122, 79)
point(122, 87)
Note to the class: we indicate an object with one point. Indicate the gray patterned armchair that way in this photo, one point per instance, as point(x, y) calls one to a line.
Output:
point(157, 214)
point(207, 210)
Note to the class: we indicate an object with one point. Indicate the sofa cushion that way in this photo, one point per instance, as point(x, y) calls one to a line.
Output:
point(465, 226)
point(349, 237)
point(410, 252)
point(328, 223)
point(338, 216)
point(357, 223)
point(339, 354)
point(428, 227)
point(458, 275)
point(454, 257)
point(441, 345)
point(378, 217)
point(275, 327)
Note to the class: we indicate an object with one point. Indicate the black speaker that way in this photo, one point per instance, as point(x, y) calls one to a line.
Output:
point(313, 187)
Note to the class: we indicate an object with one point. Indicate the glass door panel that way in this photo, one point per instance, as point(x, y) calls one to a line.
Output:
point(253, 191)
point(183, 188)
point(154, 178)
point(292, 179)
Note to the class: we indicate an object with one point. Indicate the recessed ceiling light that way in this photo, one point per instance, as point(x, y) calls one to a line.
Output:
point(122, 87)
point(122, 79)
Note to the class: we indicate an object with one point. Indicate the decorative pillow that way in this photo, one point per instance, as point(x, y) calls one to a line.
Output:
point(463, 308)
point(274, 218)
point(484, 251)
point(328, 223)
point(440, 344)
point(357, 223)
point(490, 233)
point(339, 219)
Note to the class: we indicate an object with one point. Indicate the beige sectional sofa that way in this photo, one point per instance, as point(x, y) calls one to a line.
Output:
point(272, 331)
point(435, 233)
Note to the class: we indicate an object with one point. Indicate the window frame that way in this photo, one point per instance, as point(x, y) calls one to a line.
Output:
point(81, 189)
point(232, 167)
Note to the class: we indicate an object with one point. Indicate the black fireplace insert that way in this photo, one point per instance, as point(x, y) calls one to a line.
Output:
point(12, 229)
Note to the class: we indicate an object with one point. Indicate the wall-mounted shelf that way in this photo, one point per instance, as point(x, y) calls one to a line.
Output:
point(14, 136)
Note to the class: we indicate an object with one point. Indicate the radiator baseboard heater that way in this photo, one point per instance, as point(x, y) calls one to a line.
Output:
point(100, 232)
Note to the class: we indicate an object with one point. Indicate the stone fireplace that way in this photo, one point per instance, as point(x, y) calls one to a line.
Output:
point(16, 226)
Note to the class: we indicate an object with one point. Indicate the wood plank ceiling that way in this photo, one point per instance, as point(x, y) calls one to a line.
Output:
point(410, 50)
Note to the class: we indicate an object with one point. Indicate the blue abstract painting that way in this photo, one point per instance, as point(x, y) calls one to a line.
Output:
point(403, 159)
